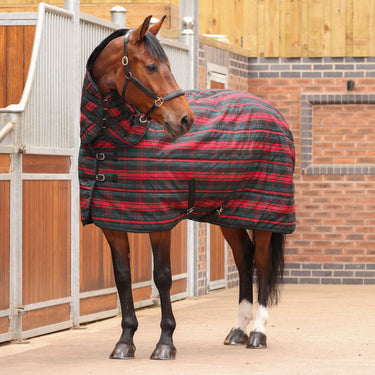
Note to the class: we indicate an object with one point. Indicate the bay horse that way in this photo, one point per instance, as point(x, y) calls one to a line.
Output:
point(128, 90)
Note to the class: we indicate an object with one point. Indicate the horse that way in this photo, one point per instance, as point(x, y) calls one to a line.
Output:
point(128, 91)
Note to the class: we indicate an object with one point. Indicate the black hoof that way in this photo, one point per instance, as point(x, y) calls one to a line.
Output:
point(257, 340)
point(163, 351)
point(236, 337)
point(123, 350)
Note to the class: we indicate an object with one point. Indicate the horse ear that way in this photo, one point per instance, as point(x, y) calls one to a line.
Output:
point(155, 29)
point(140, 33)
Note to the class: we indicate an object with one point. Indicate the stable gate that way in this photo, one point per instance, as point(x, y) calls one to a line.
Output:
point(55, 274)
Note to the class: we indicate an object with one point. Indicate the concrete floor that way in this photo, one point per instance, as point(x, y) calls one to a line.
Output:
point(313, 330)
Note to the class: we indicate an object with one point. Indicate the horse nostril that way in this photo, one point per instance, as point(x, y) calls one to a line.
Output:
point(186, 123)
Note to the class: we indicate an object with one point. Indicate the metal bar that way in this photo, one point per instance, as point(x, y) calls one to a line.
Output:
point(96, 293)
point(177, 297)
point(6, 130)
point(5, 337)
point(14, 19)
point(46, 329)
point(4, 313)
point(179, 277)
point(98, 316)
point(15, 239)
point(44, 304)
point(48, 151)
point(47, 177)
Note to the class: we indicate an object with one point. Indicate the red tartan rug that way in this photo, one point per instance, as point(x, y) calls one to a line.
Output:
point(234, 168)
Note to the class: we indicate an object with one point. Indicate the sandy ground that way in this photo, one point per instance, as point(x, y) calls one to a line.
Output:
point(313, 330)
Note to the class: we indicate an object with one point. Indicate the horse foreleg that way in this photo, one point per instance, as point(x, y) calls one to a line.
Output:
point(119, 244)
point(160, 242)
point(263, 262)
point(243, 251)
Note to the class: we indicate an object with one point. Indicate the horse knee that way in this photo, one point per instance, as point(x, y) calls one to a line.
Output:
point(122, 277)
point(163, 278)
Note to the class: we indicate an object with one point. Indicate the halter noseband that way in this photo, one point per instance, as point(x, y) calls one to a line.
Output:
point(158, 102)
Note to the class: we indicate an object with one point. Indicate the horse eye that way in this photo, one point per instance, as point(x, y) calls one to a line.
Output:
point(153, 68)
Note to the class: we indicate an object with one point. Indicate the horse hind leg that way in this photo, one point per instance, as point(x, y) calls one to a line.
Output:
point(119, 244)
point(269, 261)
point(243, 251)
point(160, 243)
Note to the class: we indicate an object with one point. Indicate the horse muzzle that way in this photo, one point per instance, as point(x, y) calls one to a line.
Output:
point(176, 129)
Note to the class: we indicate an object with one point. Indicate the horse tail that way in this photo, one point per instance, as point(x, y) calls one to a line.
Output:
point(277, 267)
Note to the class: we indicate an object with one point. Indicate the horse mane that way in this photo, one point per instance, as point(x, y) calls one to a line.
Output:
point(151, 42)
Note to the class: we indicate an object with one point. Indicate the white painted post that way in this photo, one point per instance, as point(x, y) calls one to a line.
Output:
point(118, 16)
point(15, 243)
point(74, 108)
point(189, 35)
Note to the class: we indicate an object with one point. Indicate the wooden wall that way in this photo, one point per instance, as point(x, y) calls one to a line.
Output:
point(293, 28)
point(266, 28)
point(16, 43)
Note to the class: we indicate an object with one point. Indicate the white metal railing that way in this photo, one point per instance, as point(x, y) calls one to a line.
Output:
point(42, 123)
point(178, 55)
point(93, 30)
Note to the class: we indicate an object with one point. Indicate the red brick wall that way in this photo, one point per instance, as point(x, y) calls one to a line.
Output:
point(334, 132)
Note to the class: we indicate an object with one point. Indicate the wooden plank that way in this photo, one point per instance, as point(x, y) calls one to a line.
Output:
point(371, 29)
point(338, 15)
point(272, 25)
point(4, 325)
point(349, 27)
point(216, 253)
point(140, 257)
point(96, 304)
point(178, 286)
point(261, 28)
point(327, 24)
point(44, 317)
point(45, 164)
point(4, 163)
point(3, 67)
point(305, 27)
point(316, 27)
point(250, 27)
point(4, 244)
point(96, 270)
point(142, 294)
point(29, 32)
point(293, 28)
point(360, 28)
point(283, 28)
point(46, 240)
point(227, 20)
point(179, 249)
point(205, 20)
point(239, 22)
point(15, 64)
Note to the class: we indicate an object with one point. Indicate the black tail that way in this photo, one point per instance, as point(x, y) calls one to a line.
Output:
point(277, 268)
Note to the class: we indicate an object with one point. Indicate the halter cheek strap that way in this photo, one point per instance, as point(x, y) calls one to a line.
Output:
point(158, 102)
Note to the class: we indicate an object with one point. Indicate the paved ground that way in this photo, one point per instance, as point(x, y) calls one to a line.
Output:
point(314, 330)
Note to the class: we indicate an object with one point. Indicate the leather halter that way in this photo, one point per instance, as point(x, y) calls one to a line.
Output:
point(158, 102)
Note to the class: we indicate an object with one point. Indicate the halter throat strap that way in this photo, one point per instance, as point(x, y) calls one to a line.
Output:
point(158, 102)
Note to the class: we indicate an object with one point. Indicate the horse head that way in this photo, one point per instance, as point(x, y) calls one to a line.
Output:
point(138, 68)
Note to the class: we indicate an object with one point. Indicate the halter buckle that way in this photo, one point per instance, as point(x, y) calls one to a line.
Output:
point(125, 60)
point(142, 119)
point(159, 102)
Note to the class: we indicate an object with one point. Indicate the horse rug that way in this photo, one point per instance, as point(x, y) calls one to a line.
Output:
point(234, 167)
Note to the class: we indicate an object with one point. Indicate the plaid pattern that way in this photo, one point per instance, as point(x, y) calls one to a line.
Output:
point(235, 166)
